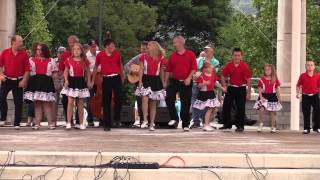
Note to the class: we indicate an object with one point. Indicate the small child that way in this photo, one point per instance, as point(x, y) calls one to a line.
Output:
point(308, 85)
point(206, 97)
point(75, 86)
point(269, 96)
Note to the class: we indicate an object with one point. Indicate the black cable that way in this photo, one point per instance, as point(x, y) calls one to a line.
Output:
point(213, 172)
point(256, 172)
point(27, 175)
point(6, 163)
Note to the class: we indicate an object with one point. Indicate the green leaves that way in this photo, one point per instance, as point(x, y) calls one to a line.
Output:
point(30, 17)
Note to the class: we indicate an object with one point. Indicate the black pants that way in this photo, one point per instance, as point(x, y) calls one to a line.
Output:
point(237, 95)
point(109, 85)
point(185, 93)
point(17, 92)
point(307, 102)
point(139, 103)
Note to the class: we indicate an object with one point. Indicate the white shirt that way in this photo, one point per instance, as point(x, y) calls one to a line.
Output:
point(92, 59)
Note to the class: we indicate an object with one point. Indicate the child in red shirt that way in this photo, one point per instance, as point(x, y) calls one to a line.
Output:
point(269, 96)
point(75, 85)
point(206, 97)
point(308, 84)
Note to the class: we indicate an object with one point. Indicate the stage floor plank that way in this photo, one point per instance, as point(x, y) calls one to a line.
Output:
point(160, 141)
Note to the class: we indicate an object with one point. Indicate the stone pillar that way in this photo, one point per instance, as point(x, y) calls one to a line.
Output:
point(7, 22)
point(295, 63)
point(291, 52)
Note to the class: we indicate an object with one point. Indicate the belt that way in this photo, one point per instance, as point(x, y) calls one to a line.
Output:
point(309, 94)
point(110, 75)
point(14, 79)
point(242, 85)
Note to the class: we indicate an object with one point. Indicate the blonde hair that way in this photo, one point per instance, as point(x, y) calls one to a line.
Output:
point(158, 51)
point(274, 76)
point(82, 55)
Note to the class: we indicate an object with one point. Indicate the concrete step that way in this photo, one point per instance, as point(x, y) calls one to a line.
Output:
point(174, 159)
point(53, 173)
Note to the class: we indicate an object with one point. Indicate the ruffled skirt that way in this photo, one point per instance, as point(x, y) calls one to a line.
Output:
point(77, 88)
point(152, 87)
point(270, 103)
point(40, 88)
point(206, 99)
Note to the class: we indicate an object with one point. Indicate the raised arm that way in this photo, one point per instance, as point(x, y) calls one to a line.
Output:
point(134, 60)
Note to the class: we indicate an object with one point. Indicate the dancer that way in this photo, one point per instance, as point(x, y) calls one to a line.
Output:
point(206, 99)
point(239, 89)
point(308, 85)
point(113, 79)
point(40, 88)
point(76, 74)
point(182, 64)
point(14, 73)
point(150, 84)
point(269, 96)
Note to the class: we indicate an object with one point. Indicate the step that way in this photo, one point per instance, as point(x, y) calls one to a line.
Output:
point(52, 173)
point(171, 159)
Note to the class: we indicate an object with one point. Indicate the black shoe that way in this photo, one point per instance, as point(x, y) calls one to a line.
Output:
point(306, 131)
point(224, 127)
point(107, 129)
point(239, 130)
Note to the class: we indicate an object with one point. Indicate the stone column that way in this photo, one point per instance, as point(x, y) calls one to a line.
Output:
point(7, 22)
point(295, 63)
point(291, 52)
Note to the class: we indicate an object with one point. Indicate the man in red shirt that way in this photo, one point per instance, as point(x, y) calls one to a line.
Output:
point(238, 90)
point(113, 78)
point(14, 70)
point(308, 85)
point(182, 65)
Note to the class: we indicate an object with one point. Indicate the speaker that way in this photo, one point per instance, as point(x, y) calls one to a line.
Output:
point(127, 114)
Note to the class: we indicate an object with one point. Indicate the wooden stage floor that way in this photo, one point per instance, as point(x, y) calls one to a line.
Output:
point(160, 141)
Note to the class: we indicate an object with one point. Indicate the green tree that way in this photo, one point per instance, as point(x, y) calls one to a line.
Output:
point(197, 20)
point(129, 23)
point(254, 33)
point(68, 17)
point(313, 31)
point(30, 18)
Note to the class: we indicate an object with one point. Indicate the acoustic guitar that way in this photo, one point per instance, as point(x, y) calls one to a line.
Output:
point(133, 76)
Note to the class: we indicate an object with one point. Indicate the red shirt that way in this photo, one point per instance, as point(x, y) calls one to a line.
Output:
point(44, 66)
point(181, 64)
point(309, 84)
point(64, 57)
point(267, 85)
point(109, 64)
point(76, 68)
point(14, 65)
point(152, 66)
point(238, 75)
point(212, 81)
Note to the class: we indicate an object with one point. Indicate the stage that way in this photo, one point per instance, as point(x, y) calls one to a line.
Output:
point(197, 154)
point(162, 140)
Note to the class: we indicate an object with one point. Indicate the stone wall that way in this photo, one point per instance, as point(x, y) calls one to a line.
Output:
point(283, 117)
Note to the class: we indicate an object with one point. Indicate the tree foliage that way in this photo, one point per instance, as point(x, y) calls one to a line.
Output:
point(197, 20)
point(254, 33)
point(68, 17)
point(30, 17)
point(313, 31)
